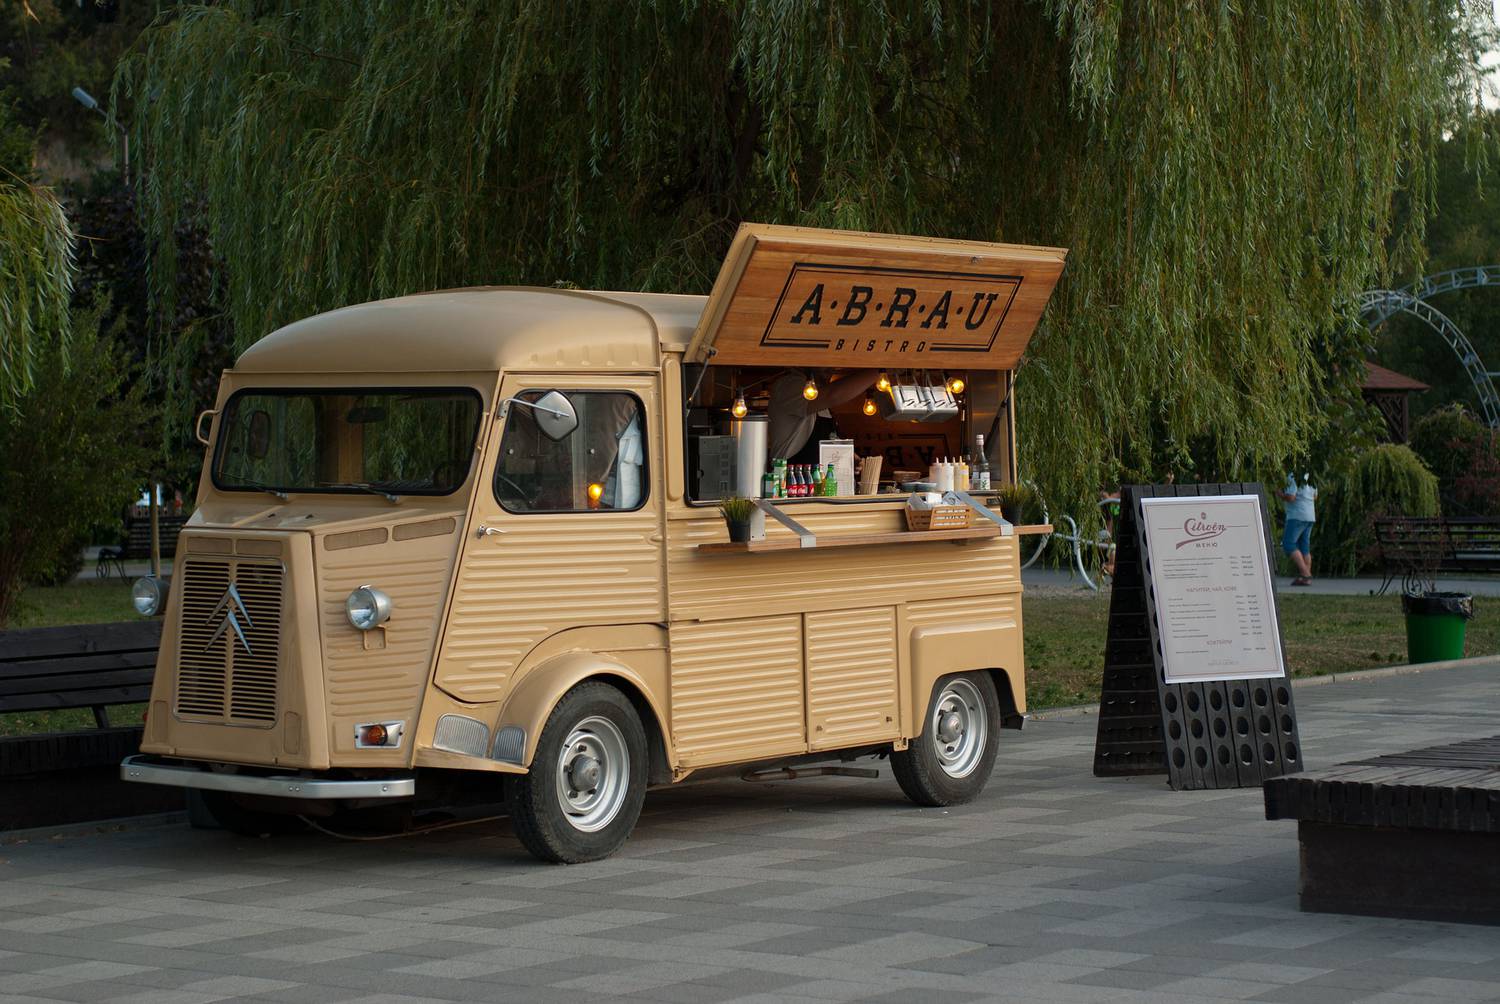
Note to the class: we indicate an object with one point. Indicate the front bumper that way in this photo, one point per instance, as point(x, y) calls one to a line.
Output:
point(142, 770)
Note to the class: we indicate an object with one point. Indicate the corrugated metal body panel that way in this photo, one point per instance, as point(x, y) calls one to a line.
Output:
point(968, 611)
point(852, 683)
point(379, 683)
point(703, 587)
point(544, 574)
point(737, 690)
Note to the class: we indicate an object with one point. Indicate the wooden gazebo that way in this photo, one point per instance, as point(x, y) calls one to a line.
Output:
point(1391, 393)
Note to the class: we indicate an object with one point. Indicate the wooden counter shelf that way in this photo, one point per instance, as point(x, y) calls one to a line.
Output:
point(826, 541)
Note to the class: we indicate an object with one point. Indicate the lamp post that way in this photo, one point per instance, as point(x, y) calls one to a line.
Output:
point(86, 99)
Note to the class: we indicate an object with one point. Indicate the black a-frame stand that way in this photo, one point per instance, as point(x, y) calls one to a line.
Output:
point(1223, 734)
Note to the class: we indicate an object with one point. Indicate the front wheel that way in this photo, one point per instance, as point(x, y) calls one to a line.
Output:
point(949, 763)
point(583, 794)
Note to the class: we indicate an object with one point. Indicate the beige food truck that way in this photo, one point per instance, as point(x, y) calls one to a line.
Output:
point(468, 543)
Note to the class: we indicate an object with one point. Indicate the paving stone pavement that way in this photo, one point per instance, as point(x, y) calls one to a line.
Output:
point(1054, 886)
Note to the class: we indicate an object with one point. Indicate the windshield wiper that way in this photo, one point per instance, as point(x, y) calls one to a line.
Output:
point(363, 486)
point(255, 485)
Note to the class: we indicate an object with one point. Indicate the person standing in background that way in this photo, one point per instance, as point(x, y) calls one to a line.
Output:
point(1296, 539)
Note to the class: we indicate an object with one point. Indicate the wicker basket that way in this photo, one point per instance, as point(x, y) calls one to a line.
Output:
point(943, 517)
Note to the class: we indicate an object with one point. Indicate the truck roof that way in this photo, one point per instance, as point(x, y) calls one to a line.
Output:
point(484, 328)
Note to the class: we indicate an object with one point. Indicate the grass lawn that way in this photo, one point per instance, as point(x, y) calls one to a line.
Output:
point(1064, 641)
point(1324, 634)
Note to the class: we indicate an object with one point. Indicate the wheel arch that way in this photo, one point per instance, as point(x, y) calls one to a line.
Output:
point(1011, 717)
point(532, 701)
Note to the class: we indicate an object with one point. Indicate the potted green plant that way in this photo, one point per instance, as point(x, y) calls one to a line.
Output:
point(737, 512)
point(1013, 499)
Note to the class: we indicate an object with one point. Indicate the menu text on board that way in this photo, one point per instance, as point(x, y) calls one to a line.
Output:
point(1211, 577)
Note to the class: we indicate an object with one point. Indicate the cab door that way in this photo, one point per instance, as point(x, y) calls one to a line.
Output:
point(565, 532)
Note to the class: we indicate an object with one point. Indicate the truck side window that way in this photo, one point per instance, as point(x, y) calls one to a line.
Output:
point(601, 466)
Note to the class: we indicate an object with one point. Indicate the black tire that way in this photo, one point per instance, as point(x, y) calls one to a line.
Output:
point(926, 768)
point(232, 815)
point(547, 823)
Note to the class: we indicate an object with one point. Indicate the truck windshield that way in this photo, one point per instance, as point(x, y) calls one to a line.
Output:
point(382, 441)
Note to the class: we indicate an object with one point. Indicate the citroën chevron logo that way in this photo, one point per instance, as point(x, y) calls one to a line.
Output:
point(229, 611)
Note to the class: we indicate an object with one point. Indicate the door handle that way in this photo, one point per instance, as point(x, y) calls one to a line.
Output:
point(487, 531)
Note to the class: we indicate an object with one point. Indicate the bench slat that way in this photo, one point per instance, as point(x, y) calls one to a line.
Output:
point(42, 643)
point(75, 683)
point(77, 699)
point(19, 674)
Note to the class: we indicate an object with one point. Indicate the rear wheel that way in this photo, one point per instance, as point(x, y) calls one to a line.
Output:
point(949, 763)
point(587, 781)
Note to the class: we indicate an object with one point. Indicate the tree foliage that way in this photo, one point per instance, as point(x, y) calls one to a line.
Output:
point(1464, 231)
point(1464, 454)
point(1224, 174)
point(1384, 480)
point(71, 460)
point(36, 258)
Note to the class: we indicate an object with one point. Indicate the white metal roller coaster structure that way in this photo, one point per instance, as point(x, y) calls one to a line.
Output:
point(1380, 305)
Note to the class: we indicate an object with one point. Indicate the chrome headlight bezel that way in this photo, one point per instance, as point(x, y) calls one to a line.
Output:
point(148, 595)
point(367, 608)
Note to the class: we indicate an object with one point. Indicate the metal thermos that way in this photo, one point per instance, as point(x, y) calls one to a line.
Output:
point(751, 435)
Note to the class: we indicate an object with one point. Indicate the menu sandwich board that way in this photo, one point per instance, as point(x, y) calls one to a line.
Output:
point(1194, 683)
point(1214, 597)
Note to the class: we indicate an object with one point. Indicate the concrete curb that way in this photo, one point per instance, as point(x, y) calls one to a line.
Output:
point(1360, 675)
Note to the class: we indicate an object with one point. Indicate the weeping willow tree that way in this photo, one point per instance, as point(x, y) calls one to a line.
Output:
point(1225, 174)
point(36, 258)
point(36, 280)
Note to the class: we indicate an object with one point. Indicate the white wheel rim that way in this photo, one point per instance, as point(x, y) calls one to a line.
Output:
point(960, 728)
point(593, 774)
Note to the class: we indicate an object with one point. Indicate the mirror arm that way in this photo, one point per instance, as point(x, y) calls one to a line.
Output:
point(505, 408)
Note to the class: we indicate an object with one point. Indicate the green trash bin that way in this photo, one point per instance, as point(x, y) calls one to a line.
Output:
point(1435, 625)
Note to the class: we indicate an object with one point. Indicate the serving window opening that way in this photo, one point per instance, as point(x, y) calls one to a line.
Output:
point(881, 430)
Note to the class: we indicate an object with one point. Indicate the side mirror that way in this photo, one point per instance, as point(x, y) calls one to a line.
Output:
point(555, 414)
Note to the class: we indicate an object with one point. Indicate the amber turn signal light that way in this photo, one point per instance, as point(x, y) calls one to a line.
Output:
point(374, 735)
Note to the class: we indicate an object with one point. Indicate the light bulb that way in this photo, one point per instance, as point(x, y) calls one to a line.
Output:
point(810, 390)
point(883, 383)
point(740, 409)
point(955, 385)
point(596, 492)
point(869, 405)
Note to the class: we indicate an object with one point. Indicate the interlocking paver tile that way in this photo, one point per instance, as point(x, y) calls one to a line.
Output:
point(1054, 885)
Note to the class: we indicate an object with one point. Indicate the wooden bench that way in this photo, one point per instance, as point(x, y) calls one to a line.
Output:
point(1414, 834)
point(1417, 549)
point(87, 666)
point(137, 543)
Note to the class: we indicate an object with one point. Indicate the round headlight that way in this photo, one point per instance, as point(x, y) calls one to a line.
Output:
point(148, 596)
point(367, 607)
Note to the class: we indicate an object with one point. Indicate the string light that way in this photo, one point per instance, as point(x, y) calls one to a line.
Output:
point(740, 409)
point(869, 405)
point(955, 385)
point(810, 390)
point(883, 383)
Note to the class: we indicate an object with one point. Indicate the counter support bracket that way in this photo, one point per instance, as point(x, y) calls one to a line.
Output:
point(1007, 528)
point(806, 536)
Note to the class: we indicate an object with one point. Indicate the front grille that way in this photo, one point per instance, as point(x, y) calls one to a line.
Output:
point(230, 648)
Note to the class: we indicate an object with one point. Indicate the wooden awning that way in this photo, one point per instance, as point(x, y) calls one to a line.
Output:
point(792, 296)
